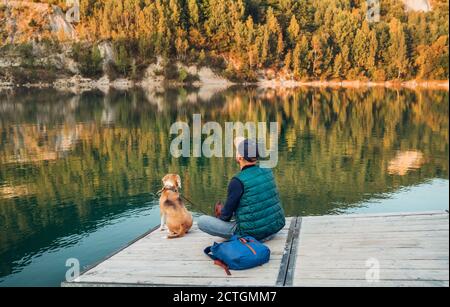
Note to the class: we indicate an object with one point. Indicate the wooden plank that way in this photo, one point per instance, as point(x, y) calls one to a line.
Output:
point(284, 265)
point(377, 235)
point(363, 283)
point(180, 270)
point(379, 215)
point(390, 218)
point(400, 243)
point(143, 281)
point(380, 257)
point(145, 234)
point(379, 229)
point(389, 274)
point(293, 258)
point(350, 224)
point(325, 264)
point(393, 217)
point(304, 283)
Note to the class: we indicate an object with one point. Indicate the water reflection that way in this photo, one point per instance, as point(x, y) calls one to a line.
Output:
point(70, 165)
point(404, 162)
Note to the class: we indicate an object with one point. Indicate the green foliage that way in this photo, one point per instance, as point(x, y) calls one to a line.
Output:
point(25, 52)
point(123, 60)
point(89, 60)
point(182, 75)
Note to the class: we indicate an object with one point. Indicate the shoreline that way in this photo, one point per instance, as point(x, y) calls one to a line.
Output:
point(79, 83)
point(411, 84)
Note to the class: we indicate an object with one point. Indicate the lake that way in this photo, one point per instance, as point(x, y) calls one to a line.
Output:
point(78, 172)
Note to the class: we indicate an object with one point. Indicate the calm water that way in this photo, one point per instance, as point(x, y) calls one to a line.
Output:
point(77, 171)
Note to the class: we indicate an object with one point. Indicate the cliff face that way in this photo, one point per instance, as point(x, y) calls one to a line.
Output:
point(22, 22)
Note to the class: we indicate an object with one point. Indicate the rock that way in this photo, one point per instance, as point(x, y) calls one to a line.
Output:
point(192, 70)
point(6, 62)
point(207, 76)
point(153, 74)
point(107, 53)
point(75, 82)
point(71, 65)
point(104, 81)
point(122, 84)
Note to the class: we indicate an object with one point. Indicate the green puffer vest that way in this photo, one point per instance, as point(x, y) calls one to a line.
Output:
point(259, 213)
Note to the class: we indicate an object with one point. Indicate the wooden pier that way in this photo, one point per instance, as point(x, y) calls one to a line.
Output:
point(401, 249)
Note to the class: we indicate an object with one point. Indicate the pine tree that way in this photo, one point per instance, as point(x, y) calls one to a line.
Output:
point(123, 61)
point(294, 31)
point(194, 13)
point(301, 59)
point(398, 49)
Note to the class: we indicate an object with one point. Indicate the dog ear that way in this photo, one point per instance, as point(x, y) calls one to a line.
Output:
point(165, 179)
point(178, 181)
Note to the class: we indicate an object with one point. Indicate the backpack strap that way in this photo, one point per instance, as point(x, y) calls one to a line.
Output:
point(207, 252)
point(223, 266)
point(217, 261)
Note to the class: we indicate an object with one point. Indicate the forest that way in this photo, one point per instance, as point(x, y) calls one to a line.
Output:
point(290, 39)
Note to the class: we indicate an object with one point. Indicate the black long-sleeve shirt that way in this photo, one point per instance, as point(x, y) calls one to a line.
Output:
point(235, 192)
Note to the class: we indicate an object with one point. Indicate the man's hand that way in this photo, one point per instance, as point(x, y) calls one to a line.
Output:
point(218, 209)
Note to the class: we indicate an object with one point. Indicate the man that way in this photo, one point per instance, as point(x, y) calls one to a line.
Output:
point(252, 199)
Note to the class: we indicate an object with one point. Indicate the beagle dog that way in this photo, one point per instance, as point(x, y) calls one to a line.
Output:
point(174, 214)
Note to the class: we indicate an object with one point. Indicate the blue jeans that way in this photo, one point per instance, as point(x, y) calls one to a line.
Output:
point(218, 228)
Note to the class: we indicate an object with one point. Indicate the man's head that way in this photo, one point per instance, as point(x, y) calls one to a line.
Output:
point(246, 152)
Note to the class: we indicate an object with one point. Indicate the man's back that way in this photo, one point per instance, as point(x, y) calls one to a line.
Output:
point(259, 213)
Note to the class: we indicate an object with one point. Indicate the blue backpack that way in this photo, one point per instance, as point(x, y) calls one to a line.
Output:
point(239, 253)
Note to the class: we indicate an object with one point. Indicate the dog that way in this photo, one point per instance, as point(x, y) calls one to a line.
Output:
point(173, 212)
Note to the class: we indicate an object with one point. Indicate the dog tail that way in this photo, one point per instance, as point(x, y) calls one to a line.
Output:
point(180, 233)
point(174, 236)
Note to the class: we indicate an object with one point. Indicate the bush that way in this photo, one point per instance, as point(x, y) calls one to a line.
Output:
point(51, 45)
point(89, 60)
point(182, 75)
point(25, 52)
point(123, 61)
point(173, 73)
point(243, 75)
point(379, 75)
point(170, 71)
point(23, 75)
point(111, 71)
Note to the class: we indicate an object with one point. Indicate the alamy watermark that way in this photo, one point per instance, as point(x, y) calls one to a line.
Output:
point(373, 11)
point(219, 141)
point(73, 13)
point(74, 269)
point(373, 272)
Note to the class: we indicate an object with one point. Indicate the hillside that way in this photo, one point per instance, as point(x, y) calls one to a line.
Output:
point(242, 40)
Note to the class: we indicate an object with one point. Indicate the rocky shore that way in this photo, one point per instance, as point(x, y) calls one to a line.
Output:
point(78, 83)
point(412, 84)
